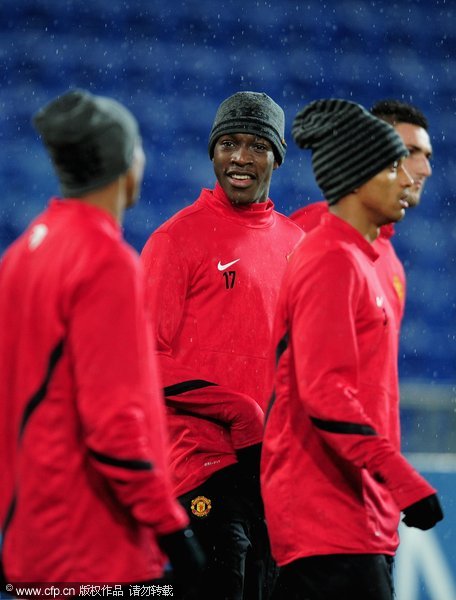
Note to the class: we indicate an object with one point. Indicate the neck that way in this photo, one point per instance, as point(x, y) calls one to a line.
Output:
point(110, 198)
point(349, 210)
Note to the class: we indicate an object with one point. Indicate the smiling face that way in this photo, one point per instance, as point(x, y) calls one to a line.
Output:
point(417, 141)
point(243, 165)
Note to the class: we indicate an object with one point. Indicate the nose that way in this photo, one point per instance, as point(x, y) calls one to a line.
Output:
point(426, 167)
point(241, 154)
point(406, 179)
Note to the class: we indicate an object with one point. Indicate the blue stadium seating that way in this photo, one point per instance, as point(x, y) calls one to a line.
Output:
point(172, 63)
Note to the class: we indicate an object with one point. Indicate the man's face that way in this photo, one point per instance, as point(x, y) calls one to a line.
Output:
point(243, 165)
point(417, 141)
point(384, 197)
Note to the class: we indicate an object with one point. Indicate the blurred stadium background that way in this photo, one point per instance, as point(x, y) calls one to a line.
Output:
point(173, 62)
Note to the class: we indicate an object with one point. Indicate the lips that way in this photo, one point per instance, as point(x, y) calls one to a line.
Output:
point(240, 179)
point(403, 202)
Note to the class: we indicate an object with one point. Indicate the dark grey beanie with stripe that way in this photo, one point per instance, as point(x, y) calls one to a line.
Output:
point(349, 145)
point(90, 139)
point(251, 112)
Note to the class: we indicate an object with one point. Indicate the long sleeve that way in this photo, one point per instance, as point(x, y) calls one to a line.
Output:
point(237, 412)
point(119, 396)
point(167, 284)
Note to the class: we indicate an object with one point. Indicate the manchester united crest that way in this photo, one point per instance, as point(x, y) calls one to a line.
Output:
point(201, 506)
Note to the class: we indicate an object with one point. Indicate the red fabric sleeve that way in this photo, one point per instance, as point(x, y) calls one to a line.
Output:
point(119, 398)
point(167, 281)
point(324, 342)
point(239, 412)
point(308, 217)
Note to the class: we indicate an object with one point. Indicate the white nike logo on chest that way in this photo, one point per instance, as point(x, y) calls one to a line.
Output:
point(221, 267)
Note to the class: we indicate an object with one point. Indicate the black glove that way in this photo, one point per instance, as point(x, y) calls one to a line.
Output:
point(249, 467)
point(423, 514)
point(186, 557)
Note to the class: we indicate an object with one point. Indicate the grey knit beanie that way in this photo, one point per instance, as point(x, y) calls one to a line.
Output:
point(90, 139)
point(251, 112)
point(349, 145)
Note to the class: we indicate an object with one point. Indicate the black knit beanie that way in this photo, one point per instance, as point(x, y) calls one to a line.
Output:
point(90, 139)
point(251, 112)
point(349, 145)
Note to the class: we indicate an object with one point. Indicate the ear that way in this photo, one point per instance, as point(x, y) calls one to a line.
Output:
point(130, 185)
point(134, 176)
point(275, 166)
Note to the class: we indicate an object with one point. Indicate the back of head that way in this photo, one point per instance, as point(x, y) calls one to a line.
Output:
point(90, 139)
point(349, 145)
point(254, 113)
point(395, 112)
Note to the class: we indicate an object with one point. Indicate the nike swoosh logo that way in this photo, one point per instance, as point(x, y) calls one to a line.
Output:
point(221, 267)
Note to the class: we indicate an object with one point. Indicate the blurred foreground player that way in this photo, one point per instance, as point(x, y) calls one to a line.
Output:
point(85, 493)
point(333, 479)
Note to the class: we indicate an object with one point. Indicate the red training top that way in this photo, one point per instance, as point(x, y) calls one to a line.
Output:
point(84, 474)
point(213, 277)
point(333, 478)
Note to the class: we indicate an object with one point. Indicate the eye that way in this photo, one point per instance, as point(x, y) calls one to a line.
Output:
point(226, 143)
point(260, 147)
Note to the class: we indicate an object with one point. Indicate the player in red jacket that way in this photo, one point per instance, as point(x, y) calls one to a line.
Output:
point(412, 126)
point(86, 496)
point(333, 479)
point(213, 276)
